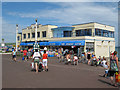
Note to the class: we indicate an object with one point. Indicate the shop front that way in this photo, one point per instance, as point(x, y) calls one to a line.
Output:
point(70, 45)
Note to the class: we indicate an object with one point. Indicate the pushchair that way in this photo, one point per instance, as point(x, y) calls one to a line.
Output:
point(40, 67)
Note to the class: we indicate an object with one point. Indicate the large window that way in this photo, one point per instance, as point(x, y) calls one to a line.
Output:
point(67, 33)
point(28, 35)
point(104, 33)
point(44, 34)
point(112, 34)
point(18, 38)
point(98, 32)
point(24, 36)
point(88, 32)
point(90, 46)
point(84, 32)
point(38, 34)
point(78, 32)
point(33, 35)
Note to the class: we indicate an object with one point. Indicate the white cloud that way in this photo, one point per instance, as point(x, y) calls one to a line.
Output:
point(74, 13)
point(8, 31)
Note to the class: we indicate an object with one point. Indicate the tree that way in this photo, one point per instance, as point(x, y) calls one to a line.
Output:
point(3, 39)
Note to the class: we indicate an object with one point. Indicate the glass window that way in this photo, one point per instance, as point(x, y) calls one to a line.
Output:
point(38, 34)
point(109, 33)
point(98, 32)
point(44, 34)
point(67, 33)
point(24, 36)
point(28, 35)
point(104, 33)
point(84, 32)
point(112, 34)
point(77, 32)
point(33, 35)
point(90, 46)
point(18, 38)
point(88, 32)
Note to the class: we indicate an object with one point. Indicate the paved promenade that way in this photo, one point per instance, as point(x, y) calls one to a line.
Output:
point(19, 75)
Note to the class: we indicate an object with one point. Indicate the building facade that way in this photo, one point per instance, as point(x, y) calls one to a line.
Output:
point(19, 38)
point(93, 37)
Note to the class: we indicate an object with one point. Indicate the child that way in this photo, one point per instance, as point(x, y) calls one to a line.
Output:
point(106, 69)
point(45, 57)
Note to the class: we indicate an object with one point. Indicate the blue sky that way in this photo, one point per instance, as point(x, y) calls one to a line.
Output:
point(56, 13)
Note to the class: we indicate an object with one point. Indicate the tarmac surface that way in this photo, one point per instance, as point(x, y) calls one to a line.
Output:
point(19, 75)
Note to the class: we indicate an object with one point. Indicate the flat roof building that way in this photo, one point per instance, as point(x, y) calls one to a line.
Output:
point(94, 37)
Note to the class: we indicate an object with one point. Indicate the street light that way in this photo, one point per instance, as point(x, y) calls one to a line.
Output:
point(36, 46)
point(36, 32)
point(16, 36)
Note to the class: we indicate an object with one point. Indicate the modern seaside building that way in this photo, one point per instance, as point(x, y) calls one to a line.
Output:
point(94, 37)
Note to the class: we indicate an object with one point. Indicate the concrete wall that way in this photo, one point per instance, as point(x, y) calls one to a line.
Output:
point(20, 37)
point(103, 48)
point(40, 29)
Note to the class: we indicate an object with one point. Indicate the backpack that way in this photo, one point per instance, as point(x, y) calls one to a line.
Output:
point(23, 58)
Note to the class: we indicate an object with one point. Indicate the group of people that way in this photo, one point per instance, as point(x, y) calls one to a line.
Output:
point(67, 56)
point(111, 68)
point(36, 57)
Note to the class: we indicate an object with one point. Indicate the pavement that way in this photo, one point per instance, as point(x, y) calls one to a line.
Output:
point(19, 75)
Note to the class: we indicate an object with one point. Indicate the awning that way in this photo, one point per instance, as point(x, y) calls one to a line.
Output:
point(58, 43)
point(23, 44)
point(27, 44)
point(43, 43)
point(73, 43)
point(63, 43)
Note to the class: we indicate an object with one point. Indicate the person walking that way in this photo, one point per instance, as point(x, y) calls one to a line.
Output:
point(113, 67)
point(29, 53)
point(94, 60)
point(45, 58)
point(36, 58)
point(89, 57)
point(75, 59)
point(68, 58)
point(103, 62)
point(25, 54)
point(106, 69)
point(14, 55)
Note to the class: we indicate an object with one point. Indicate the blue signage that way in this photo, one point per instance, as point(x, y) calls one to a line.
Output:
point(58, 43)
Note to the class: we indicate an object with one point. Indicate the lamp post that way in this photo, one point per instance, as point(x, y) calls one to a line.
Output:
point(36, 32)
point(36, 46)
point(16, 36)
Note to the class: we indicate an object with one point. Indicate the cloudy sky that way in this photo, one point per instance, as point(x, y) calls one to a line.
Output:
point(56, 13)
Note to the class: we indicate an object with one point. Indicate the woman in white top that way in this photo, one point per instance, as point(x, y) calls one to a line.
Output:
point(75, 59)
point(36, 58)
